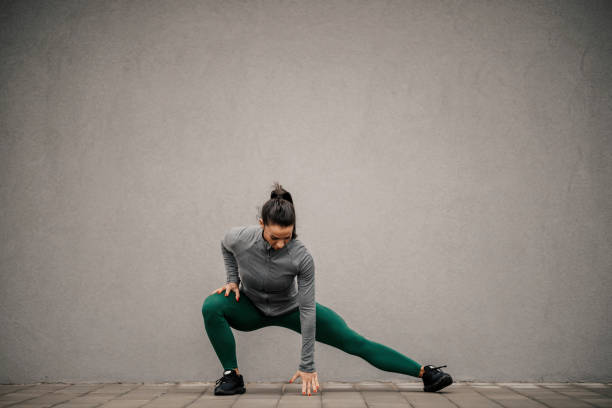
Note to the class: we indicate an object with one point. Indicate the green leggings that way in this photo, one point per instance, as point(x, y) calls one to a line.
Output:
point(220, 312)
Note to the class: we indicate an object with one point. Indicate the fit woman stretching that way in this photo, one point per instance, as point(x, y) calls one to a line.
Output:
point(265, 260)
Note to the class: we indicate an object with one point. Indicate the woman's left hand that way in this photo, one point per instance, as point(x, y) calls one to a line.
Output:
point(308, 380)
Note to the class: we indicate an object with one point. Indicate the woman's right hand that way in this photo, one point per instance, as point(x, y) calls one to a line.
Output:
point(228, 287)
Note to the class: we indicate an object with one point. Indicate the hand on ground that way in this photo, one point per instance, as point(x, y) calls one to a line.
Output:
point(309, 380)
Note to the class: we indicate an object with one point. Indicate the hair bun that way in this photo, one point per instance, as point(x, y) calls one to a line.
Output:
point(280, 193)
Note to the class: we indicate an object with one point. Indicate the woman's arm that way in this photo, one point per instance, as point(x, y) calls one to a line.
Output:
point(231, 266)
point(228, 245)
point(308, 318)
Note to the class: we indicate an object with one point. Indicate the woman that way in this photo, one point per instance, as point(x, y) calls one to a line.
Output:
point(265, 261)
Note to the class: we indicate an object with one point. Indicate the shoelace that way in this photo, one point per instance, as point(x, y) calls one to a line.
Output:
point(223, 379)
point(435, 368)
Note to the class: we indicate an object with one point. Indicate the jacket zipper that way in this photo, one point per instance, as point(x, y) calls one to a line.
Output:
point(267, 294)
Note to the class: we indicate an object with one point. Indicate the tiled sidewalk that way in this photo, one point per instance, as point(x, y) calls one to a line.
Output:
point(332, 394)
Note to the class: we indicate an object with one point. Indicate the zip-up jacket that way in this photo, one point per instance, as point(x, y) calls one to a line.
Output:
point(267, 277)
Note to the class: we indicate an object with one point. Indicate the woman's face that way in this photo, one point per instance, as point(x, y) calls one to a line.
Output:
point(276, 235)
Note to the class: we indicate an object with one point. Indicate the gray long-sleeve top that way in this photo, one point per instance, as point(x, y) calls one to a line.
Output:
point(267, 277)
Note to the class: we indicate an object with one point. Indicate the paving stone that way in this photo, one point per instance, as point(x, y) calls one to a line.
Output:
point(518, 385)
point(255, 403)
point(384, 399)
point(71, 404)
point(140, 395)
point(340, 403)
point(153, 386)
point(332, 394)
point(382, 396)
point(50, 398)
point(50, 387)
point(507, 398)
point(28, 392)
point(455, 388)
point(374, 385)
point(265, 390)
point(207, 400)
point(219, 402)
point(77, 389)
point(15, 397)
point(599, 402)
point(115, 388)
point(194, 391)
point(194, 383)
point(335, 400)
point(558, 385)
point(606, 393)
point(92, 399)
point(336, 386)
point(598, 388)
point(117, 403)
point(409, 386)
point(578, 393)
point(551, 398)
point(342, 395)
point(564, 403)
point(427, 399)
point(177, 400)
point(471, 399)
point(299, 401)
point(9, 388)
point(591, 385)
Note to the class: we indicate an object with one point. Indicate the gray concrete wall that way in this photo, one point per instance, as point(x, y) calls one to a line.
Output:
point(450, 163)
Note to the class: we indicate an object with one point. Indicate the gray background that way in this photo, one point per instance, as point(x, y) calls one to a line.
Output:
point(450, 164)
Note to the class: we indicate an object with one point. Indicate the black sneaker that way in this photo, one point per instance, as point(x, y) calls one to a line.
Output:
point(231, 383)
point(435, 379)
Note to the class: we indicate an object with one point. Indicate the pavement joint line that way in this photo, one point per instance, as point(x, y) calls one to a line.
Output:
point(441, 393)
point(186, 405)
point(550, 406)
point(394, 386)
point(531, 397)
point(572, 397)
point(24, 386)
point(61, 402)
point(526, 390)
point(237, 396)
point(127, 392)
point(519, 386)
point(28, 399)
point(536, 399)
point(361, 395)
point(282, 392)
point(448, 399)
point(487, 397)
point(100, 387)
point(594, 389)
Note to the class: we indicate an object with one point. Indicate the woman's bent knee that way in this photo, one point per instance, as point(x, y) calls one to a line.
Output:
point(212, 303)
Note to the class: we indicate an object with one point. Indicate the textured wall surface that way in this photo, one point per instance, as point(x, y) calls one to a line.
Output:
point(450, 163)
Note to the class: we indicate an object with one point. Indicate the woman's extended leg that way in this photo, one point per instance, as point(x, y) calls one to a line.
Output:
point(220, 312)
point(333, 330)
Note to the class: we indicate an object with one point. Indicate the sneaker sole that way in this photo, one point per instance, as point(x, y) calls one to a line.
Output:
point(441, 383)
point(241, 390)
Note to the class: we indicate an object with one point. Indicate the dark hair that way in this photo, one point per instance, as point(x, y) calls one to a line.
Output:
point(279, 209)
